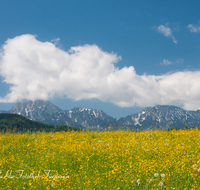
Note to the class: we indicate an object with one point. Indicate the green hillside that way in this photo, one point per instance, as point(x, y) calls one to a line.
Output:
point(19, 123)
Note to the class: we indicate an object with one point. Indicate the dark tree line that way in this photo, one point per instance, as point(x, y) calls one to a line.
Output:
point(18, 123)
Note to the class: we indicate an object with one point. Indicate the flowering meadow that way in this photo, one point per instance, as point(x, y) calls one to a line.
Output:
point(101, 160)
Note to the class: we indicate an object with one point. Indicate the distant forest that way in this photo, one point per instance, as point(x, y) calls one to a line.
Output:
point(17, 123)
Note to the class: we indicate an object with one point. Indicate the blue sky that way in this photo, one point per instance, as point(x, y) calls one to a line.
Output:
point(118, 56)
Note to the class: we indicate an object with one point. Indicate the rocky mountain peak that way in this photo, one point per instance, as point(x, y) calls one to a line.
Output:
point(27, 108)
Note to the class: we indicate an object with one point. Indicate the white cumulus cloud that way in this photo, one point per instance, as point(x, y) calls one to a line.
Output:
point(179, 60)
point(166, 62)
point(166, 31)
point(55, 41)
point(194, 28)
point(40, 70)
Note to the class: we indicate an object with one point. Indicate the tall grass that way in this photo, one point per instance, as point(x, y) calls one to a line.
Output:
point(101, 160)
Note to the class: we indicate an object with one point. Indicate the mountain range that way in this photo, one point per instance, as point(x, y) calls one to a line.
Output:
point(160, 116)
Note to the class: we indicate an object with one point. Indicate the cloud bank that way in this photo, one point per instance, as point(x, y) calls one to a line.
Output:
point(166, 31)
point(40, 70)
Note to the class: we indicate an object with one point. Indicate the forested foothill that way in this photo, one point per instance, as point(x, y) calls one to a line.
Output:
point(13, 123)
